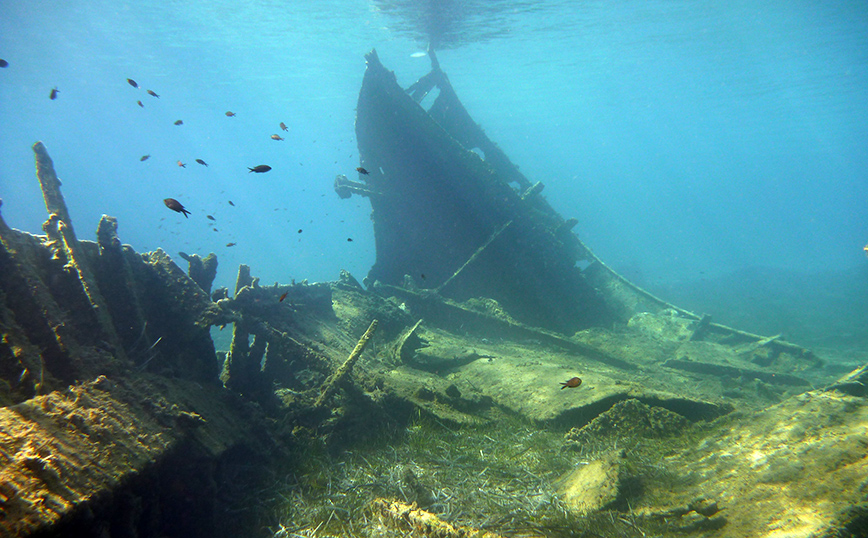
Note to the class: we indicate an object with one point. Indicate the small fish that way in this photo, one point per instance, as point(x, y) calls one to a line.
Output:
point(140, 104)
point(276, 137)
point(176, 206)
point(53, 94)
point(200, 161)
point(362, 171)
point(231, 244)
point(152, 92)
point(179, 122)
point(182, 165)
point(210, 217)
point(215, 229)
point(3, 63)
point(299, 230)
point(132, 83)
point(260, 169)
point(230, 203)
point(145, 158)
point(349, 239)
point(571, 383)
point(865, 249)
point(282, 125)
point(230, 114)
point(282, 297)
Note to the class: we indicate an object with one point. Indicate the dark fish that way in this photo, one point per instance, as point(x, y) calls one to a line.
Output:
point(182, 165)
point(176, 206)
point(282, 125)
point(260, 169)
point(132, 83)
point(276, 137)
point(571, 383)
point(140, 104)
point(282, 297)
point(53, 94)
point(349, 239)
point(210, 217)
point(423, 276)
point(362, 171)
point(231, 244)
point(215, 229)
point(230, 114)
point(230, 203)
point(299, 230)
point(3, 63)
point(179, 122)
point(152, 92)
point(145, 157)
point(200, 161)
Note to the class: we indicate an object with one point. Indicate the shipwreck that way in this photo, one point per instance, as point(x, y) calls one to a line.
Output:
point(426, 399)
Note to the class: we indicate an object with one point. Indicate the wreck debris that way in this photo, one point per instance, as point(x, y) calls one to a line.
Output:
point(424, 522)
point(237, 371)
point(203, 271)
point(118, 281)
point(60, 222)
point(333, 382)
point(408, 343)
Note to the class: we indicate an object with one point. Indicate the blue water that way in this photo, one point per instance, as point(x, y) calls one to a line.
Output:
point(688, 138)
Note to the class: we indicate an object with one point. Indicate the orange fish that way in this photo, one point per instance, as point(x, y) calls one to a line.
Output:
point(571, 383)
point(182, 165)
point(362, 171)
point(282, 297)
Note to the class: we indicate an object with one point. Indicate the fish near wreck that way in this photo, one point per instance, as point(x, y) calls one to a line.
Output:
point(259, 169)
point(176, 206)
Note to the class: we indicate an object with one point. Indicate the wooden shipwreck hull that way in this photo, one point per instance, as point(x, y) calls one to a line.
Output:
point(437, 206)
point(454, 216)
